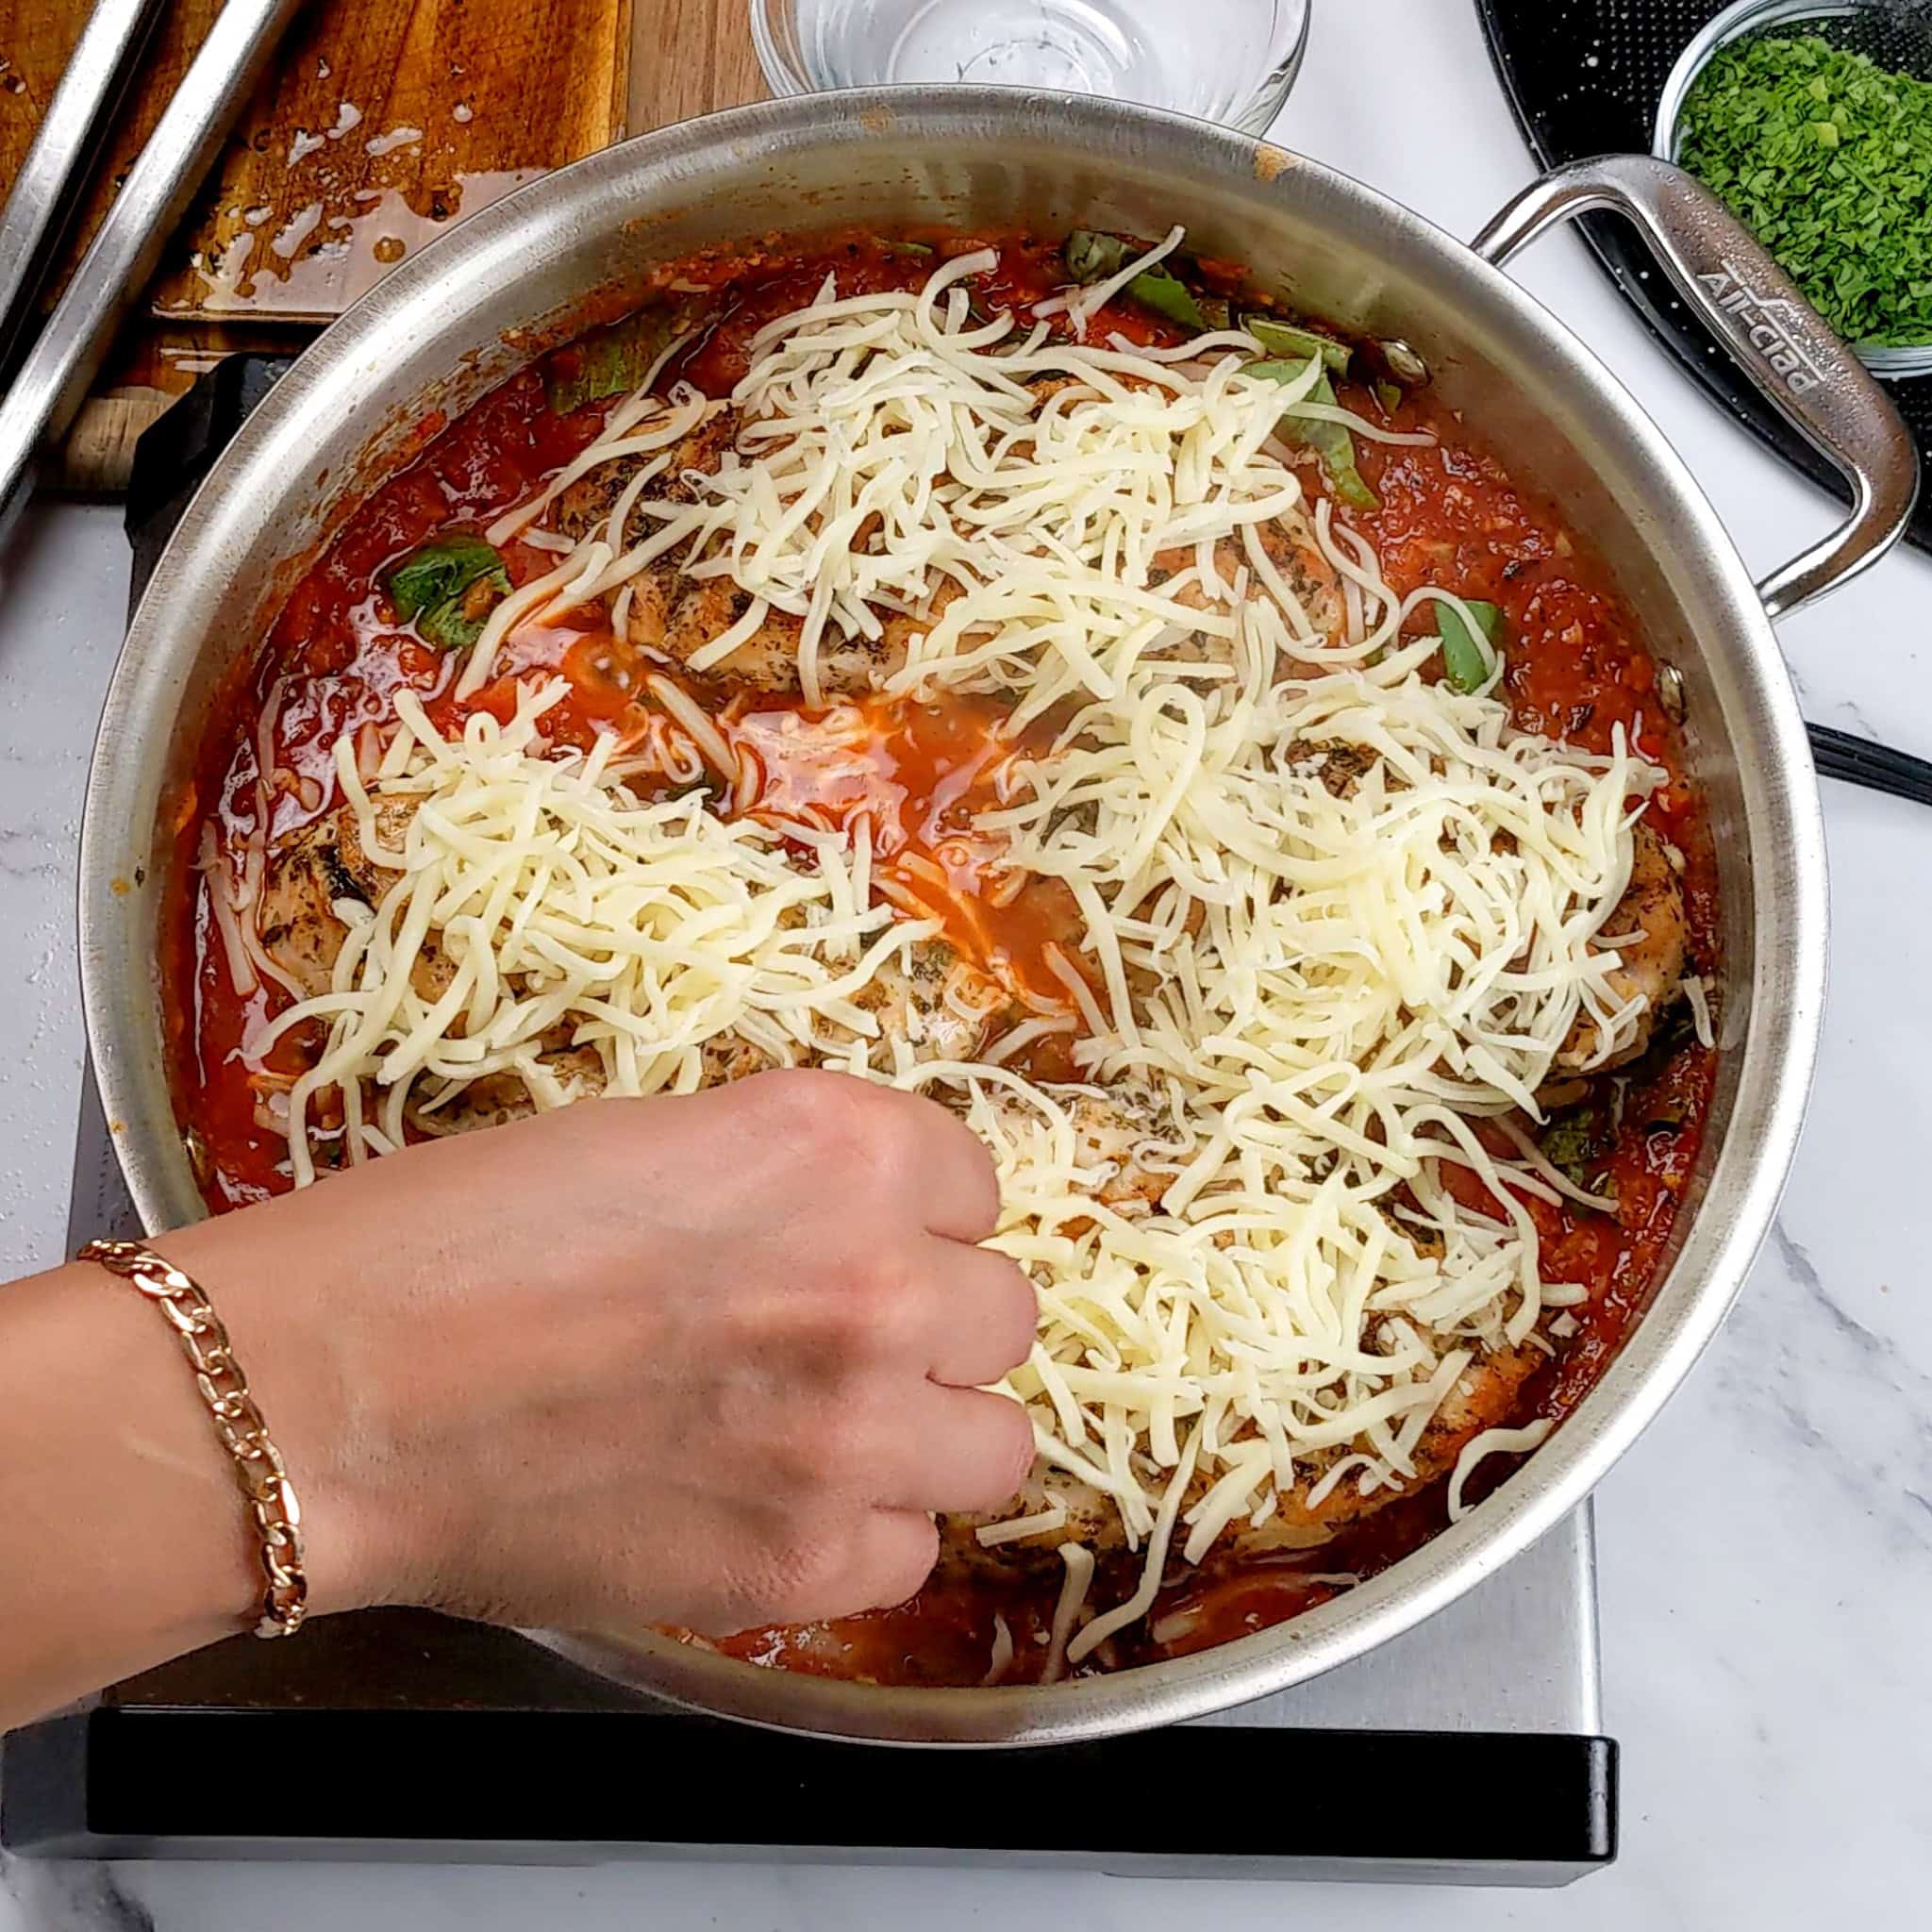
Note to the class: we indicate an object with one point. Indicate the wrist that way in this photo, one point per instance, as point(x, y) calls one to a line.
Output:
point(285, 1346)
point(124, 1539)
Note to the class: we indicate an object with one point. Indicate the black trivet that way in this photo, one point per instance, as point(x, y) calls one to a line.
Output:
point(1583, 78)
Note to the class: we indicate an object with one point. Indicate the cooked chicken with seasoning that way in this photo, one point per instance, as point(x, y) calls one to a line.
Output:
point(1651, 934)
point(1289, 545)
point(1074, 1511)
point(587, 505)
point(557, 1071)
point(1122, 1135)
point(309, 873)
point(676, 616)
point(1340, 766)
point(767, 661)
point(1486, 1397)
point(936, 1004)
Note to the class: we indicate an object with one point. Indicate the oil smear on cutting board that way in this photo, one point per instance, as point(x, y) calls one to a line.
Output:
point(381, 123)
point(310, 265)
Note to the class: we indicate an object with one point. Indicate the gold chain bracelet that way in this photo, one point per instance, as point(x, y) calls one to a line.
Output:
point(238, 1423)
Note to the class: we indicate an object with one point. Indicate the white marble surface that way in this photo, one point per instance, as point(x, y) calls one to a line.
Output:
point(1766, 1549)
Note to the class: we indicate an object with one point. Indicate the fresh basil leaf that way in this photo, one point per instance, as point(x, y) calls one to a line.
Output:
point(609, 361)
point(435, 571)
point(1330, 441)
point(437, 582)
point(1158, 290)
point(1568, 1143)
point(449, 624)
point(1091, 257)
point(1465, 663)
point(1289, 339)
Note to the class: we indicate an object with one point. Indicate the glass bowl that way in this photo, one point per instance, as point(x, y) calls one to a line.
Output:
point(1895, 33)
point(1226, 61)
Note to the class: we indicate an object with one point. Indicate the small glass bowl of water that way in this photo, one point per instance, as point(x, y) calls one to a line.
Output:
point(1226, 61)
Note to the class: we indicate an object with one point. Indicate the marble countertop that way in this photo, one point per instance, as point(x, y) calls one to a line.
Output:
point(1766, 1549)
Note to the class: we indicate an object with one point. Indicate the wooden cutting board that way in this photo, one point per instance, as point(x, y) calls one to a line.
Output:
point(379, 123)
point(383, 122)
point(690, 57)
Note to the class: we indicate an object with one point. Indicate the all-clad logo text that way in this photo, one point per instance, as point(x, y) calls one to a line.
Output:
point(1767, 326)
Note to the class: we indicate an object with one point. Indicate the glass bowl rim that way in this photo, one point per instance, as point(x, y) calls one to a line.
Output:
point(788, 80)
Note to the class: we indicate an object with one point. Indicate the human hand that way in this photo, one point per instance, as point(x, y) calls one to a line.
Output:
point(706, 1360)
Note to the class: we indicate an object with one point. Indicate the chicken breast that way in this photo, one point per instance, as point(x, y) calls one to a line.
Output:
point(1339, 764)
point(1122, 1133)
point(309, 872)
point(938, 1003)
point(728, 1056)
point(1486, 1397)
point(1288, 542)
point(941, 1004)
point(674, 616)
point(1118, 1131)
point(678, 619)
point(564, 1074)
point(588, 503)
point(1651, 961)
point(1289, 545)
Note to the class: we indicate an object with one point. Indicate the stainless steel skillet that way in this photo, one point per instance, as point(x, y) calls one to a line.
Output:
point(448, 326)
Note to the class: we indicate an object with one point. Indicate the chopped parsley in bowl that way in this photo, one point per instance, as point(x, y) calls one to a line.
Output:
point(1825, 152)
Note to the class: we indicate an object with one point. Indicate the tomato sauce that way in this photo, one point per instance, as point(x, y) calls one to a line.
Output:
point(1575, 670)
point(918, 774)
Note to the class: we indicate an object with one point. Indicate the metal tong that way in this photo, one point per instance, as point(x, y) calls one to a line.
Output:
point(55, 366)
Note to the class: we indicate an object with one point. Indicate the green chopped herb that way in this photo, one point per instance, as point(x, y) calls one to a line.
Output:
point(1289, 339)
point(903, 247)
point(1576, 1142)
point(1826, 158)
point(1331, 442)
point(1465, 663)
point(1092, 258)
point(1390, 395)
point(447, 586)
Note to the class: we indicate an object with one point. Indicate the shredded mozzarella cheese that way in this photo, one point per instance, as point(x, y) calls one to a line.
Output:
point(1492, 1443)
point(893, 457)
point(539, 908)
point(1339, 918)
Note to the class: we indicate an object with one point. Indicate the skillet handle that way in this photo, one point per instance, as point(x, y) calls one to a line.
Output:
point(1772, 333)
